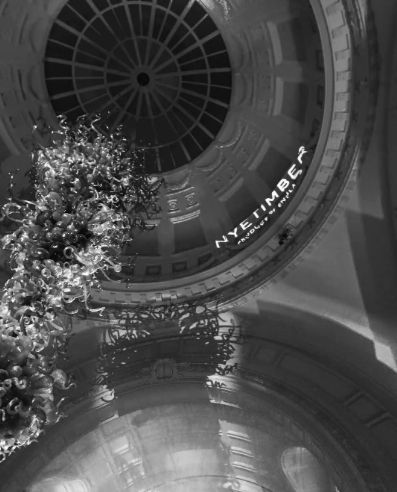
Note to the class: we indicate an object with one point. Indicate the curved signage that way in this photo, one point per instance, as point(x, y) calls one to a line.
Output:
point(269, 209)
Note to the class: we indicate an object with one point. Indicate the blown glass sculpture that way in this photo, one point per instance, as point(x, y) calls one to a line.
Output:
point(91, 195)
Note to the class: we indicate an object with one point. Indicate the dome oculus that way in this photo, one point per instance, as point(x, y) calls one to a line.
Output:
point(160, 69)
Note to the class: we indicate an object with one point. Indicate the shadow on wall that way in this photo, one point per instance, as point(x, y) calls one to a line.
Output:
point(374, 261)
point(310, 332)
point(371, 232)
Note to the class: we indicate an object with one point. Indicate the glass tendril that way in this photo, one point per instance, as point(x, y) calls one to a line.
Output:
point(91, 195)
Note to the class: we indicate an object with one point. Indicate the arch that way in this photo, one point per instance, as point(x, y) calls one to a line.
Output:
point(60, 484)
point(304, 471)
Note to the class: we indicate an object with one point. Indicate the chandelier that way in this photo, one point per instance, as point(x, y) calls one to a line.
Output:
point(91, 195)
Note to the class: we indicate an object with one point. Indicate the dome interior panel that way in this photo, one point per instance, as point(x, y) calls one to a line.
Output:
point(202, 136)
point(146, 16)
point(64, 34)
point(192, 144)
point(145, 244)
point(195, 14)
point(66, 103)
point(189, 235)
point(222, 79)
point(122, 19)
point(295, 100)
point(180, 153)
point(273, 166)
point(153, 270)
point(72, 18)
point(60, 85)
point(241, 204)
point(84, 8)
point(291, 34)
point(205, 27)
point(55, 49)
point(55, 69)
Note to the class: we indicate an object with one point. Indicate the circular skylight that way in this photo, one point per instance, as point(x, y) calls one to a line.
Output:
point(160, 69)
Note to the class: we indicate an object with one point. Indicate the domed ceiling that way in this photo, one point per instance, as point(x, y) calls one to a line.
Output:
point(220, 100)
point(242, 106)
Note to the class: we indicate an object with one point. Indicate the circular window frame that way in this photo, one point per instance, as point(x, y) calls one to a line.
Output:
point(177, 135)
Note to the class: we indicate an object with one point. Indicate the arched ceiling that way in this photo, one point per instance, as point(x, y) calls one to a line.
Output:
point(242, 86)
point(175, 448)
point(176, 421)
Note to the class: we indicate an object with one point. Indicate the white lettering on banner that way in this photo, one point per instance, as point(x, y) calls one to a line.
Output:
point(302, 151)
point(234, 232)
point(224, 239)
point(272, 198)
point(293, 173)
point(285, 187)
point(245, 224)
